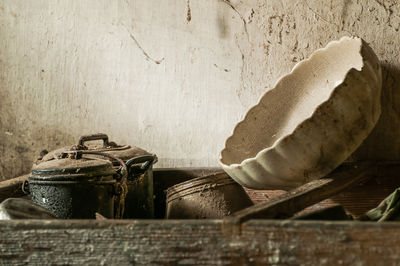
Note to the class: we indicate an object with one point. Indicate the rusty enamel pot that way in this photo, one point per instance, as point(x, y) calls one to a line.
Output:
point(214, 196)
point(139, 201)
point(74, 186)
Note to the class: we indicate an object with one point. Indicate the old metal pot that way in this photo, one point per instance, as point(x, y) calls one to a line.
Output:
point(139, 199)
point(213, 196)
point(77, 186)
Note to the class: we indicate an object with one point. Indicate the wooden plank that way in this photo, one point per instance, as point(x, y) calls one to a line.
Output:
point(293, 201)
point(355, 200)
point(12, 187)
point(201, 242)
point(198, 242)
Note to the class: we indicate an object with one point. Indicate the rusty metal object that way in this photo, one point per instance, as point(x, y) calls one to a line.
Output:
point(120, 188)
point(74, 186)
point(140, 196)
point(123, 152)
point(213, 196)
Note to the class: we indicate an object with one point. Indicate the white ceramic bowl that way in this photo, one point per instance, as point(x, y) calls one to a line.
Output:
point(310, 122)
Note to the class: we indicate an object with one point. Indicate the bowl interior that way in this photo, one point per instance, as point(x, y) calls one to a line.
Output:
point(293, 99)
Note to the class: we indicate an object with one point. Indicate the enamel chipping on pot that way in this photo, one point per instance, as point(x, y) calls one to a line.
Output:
point(138, 201)
point(74, 187)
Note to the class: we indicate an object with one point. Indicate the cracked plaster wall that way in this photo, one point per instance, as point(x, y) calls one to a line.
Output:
point(171, 76)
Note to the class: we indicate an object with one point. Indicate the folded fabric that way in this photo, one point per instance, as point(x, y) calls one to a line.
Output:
point(18, 208)
point(387, 210)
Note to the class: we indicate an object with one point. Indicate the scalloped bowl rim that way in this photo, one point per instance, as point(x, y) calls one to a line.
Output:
point(280, 139)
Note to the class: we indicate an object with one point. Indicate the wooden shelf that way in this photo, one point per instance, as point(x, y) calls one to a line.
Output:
point(210, 242)
point(198, 242)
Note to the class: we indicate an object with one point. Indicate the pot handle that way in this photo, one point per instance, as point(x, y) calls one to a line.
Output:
point(146, 160)
point(25, 187)
point(98, 136)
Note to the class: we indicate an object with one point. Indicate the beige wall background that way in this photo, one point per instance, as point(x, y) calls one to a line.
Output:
point(171, 76)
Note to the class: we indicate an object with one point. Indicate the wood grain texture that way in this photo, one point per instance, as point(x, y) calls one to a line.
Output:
point(295, 200)
point(206, 242)
point(355, 200)
point(198, 243)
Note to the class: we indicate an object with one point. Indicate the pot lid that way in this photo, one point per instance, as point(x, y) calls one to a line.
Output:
point(73, 167)
point(123, 152)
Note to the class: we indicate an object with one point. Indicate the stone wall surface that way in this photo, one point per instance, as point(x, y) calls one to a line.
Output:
point(171, 76)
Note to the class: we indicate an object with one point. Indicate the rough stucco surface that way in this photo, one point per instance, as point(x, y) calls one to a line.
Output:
point(172, 76)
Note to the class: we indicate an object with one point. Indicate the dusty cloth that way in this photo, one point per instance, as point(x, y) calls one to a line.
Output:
point(387, 210)
point(18, 208)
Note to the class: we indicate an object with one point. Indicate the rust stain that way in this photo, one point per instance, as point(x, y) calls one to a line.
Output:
point(189, 12)
point(223, 69)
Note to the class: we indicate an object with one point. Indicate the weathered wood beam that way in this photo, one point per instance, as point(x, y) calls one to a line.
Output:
point(308, 194)
point(200, 242)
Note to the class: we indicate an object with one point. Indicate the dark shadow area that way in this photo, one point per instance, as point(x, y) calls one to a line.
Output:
point(384, 143)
